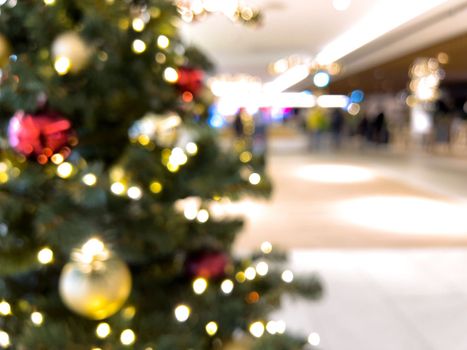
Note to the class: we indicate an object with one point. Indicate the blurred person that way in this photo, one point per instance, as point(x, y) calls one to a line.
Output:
point(458, 130)
point(238, 124)
point(316, 124)
point(363, 129)
point(379, 129)
point(337, 126)
point(259, 146)
point(442, 126)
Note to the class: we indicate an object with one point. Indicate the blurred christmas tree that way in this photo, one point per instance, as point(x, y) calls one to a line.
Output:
point(113, 225)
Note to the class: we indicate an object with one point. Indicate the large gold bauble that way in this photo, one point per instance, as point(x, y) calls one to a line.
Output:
point(5, 51)
point(71, 46)
point(95, 294)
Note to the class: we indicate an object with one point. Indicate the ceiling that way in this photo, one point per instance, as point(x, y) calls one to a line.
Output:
point(359, 36)
point(289, 27)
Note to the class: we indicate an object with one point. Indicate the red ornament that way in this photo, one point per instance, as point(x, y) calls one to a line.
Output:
point(40, 135)
point(190, 79)
point(210, 265)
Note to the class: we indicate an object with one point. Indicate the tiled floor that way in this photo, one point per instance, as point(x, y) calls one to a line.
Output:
point(395, 279)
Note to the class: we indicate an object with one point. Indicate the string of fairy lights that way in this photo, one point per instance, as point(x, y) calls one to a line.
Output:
point(192, 209)
point(182, 312)
point(172, 158)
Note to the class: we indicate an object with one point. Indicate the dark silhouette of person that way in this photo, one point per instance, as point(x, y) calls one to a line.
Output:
point(337, 126)
point(380, 131)
point(238, 124)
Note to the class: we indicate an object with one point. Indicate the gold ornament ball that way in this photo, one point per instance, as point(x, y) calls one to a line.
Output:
point(98, 293)
point(5, 51)
point(71, 46)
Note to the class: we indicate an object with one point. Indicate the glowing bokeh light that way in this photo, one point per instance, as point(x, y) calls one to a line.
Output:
point(45, 256)
point(357, 96)
point(191, 148)
point(254, 179)
point(37, 318)
point(117, 188)
point(5, 308)
point(134, 192)
point(65, 170)
point(353, 109)
point(89, 179)
point(321, 79)
point(227, 286)
point(287, 276)
point(155, 187)
point(257, 329)
point(314, 339)
point(281, 326)
point(127, 337)
point(103, 330)
point(250, 273)
point(200, 285)
point(62, 65)
point(4, 339)
point(138, 46)
point(170, 75)
point(163, 42)
point(266, 247)
point(182, 313)
point(138, 24)
point(211, 328)
point(271, 327)
point(262, 268)
point(202, 216)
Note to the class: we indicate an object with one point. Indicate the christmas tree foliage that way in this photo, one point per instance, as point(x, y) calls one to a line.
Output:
point(114, 227)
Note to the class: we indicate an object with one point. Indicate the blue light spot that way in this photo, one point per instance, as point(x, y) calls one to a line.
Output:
point(216, 121)
point(357, 96)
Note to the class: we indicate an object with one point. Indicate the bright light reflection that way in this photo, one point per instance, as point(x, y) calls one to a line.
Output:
point(335, 173)
point(288, 79)
point(246, 207)
point(228, 105)
point(333, 101)
point(405, 215)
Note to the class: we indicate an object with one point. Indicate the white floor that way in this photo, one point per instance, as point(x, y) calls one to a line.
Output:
point(385, 299)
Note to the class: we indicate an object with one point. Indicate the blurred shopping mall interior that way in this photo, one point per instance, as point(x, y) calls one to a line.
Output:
point(135, 135)
point(360, 108)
